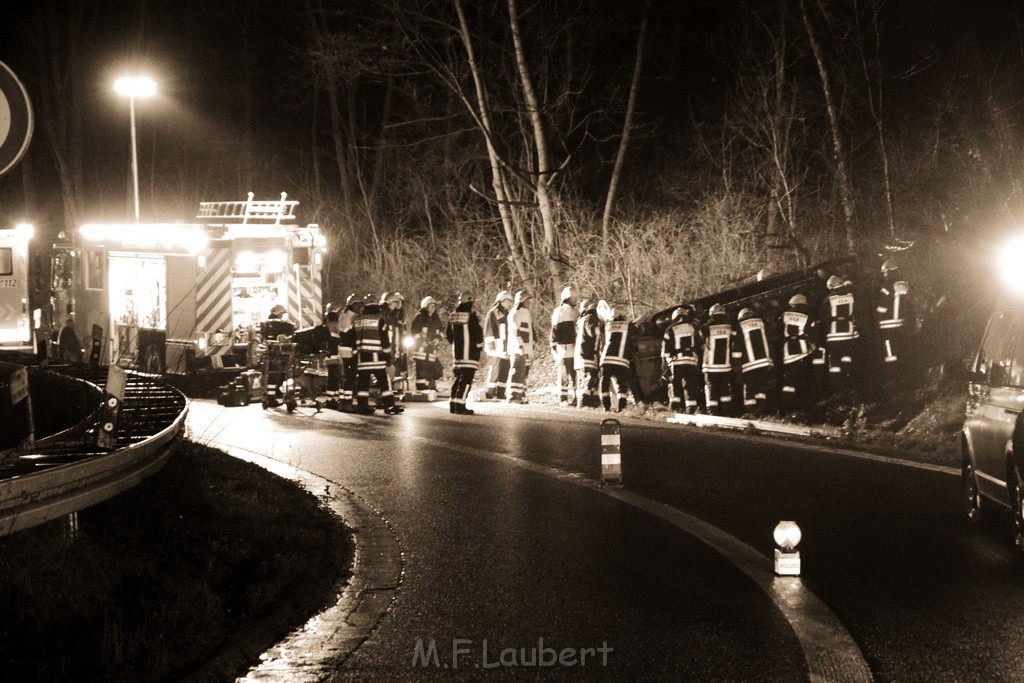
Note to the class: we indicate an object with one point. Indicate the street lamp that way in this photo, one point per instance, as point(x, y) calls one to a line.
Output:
point(134, 87)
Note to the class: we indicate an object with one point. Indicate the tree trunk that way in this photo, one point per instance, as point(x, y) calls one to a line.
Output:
point(838, 151)
point(873, 81)
point(483, 116)
point(543, 170)
point(627, 132)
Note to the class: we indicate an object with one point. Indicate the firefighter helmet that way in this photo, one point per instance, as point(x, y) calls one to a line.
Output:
point(834, 282)
point(521, 296)
point(717, 309)
point(277, 311)
point(889, 266)
point(427, 300)
point(569, 292)
point(503, 295)
point(798, 300)
point(746, 313)
point(465, 296)
point(681, 314)
point(389, 298)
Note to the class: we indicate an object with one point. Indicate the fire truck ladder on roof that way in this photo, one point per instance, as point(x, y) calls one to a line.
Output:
point(264, 212)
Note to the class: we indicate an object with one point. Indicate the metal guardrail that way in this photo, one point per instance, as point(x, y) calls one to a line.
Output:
point(66, 474)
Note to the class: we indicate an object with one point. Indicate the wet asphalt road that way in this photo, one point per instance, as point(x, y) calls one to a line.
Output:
point(508, 555)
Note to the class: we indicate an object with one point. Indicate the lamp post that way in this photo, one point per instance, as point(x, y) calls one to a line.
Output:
point(134, 87)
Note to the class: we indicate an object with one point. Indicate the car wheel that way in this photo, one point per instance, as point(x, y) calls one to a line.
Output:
point(1017, 502)
point(969, 487)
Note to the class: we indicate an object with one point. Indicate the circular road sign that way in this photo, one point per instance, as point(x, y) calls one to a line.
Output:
point(15, 119)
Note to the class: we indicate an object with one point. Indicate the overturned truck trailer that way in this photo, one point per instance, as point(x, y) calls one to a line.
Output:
point(182, 298)
point(768, 292)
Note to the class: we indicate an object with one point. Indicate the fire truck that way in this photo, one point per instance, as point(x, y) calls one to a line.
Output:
point(181, 298)
point(16, 332)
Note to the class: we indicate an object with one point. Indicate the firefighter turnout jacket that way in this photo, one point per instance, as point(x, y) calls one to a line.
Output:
point(563, 330)
point(620, 343)
point(466, 336)
point(372, 343)
point(520, 332)
point(680, 345)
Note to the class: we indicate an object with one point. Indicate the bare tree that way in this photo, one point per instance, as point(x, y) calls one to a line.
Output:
point(873, 79)
point(627, 130)
point(838, 148)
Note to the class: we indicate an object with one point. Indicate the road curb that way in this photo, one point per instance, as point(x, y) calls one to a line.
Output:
point(321, 646)
point(764, 426)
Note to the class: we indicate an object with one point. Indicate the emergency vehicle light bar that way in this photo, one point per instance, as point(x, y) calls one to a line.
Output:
point(148, 236)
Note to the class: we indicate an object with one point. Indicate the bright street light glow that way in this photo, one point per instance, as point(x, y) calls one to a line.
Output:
point(1011, 265)
point(135, 86)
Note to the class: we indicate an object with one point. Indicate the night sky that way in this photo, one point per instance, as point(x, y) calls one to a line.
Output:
point(219, 63)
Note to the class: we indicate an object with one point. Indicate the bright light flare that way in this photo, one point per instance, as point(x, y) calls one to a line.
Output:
point(787, 535)
point(408, 342)
point(135, 87)
point(1011, 265)
point(25, 230)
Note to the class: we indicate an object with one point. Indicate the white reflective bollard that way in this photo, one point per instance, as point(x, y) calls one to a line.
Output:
point(611, 452)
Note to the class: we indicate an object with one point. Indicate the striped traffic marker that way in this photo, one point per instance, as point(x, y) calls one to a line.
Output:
point(611, 453)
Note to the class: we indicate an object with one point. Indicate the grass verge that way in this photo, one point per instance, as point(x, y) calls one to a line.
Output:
point(163, 576)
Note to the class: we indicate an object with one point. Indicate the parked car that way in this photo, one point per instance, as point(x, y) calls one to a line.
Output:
point(992, 439)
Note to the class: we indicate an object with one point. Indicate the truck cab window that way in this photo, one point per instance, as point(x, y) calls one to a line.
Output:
point(6, 261)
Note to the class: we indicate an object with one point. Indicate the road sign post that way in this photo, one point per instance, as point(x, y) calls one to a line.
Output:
point(611, 453)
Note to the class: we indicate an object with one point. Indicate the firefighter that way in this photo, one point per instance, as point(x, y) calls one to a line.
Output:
point(563, 344)
point(587, 353)
point(520, 347)
point(275, 330)
point(334, 361)
point(799, 335)
point(718, 334)
point(467, 339)
point(617, 354)
point(893, 313)
point(757, 372)
point(346, 352)
point(398, 368)
point(428, 332)
point(841, 333)
point(276, 324)
point(496, 346)
point(680, 347)
point(373, 353)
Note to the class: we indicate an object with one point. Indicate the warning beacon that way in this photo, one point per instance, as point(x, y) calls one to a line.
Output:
point(787, 557)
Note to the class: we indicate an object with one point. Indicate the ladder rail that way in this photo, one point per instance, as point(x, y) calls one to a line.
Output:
point(272, 212)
